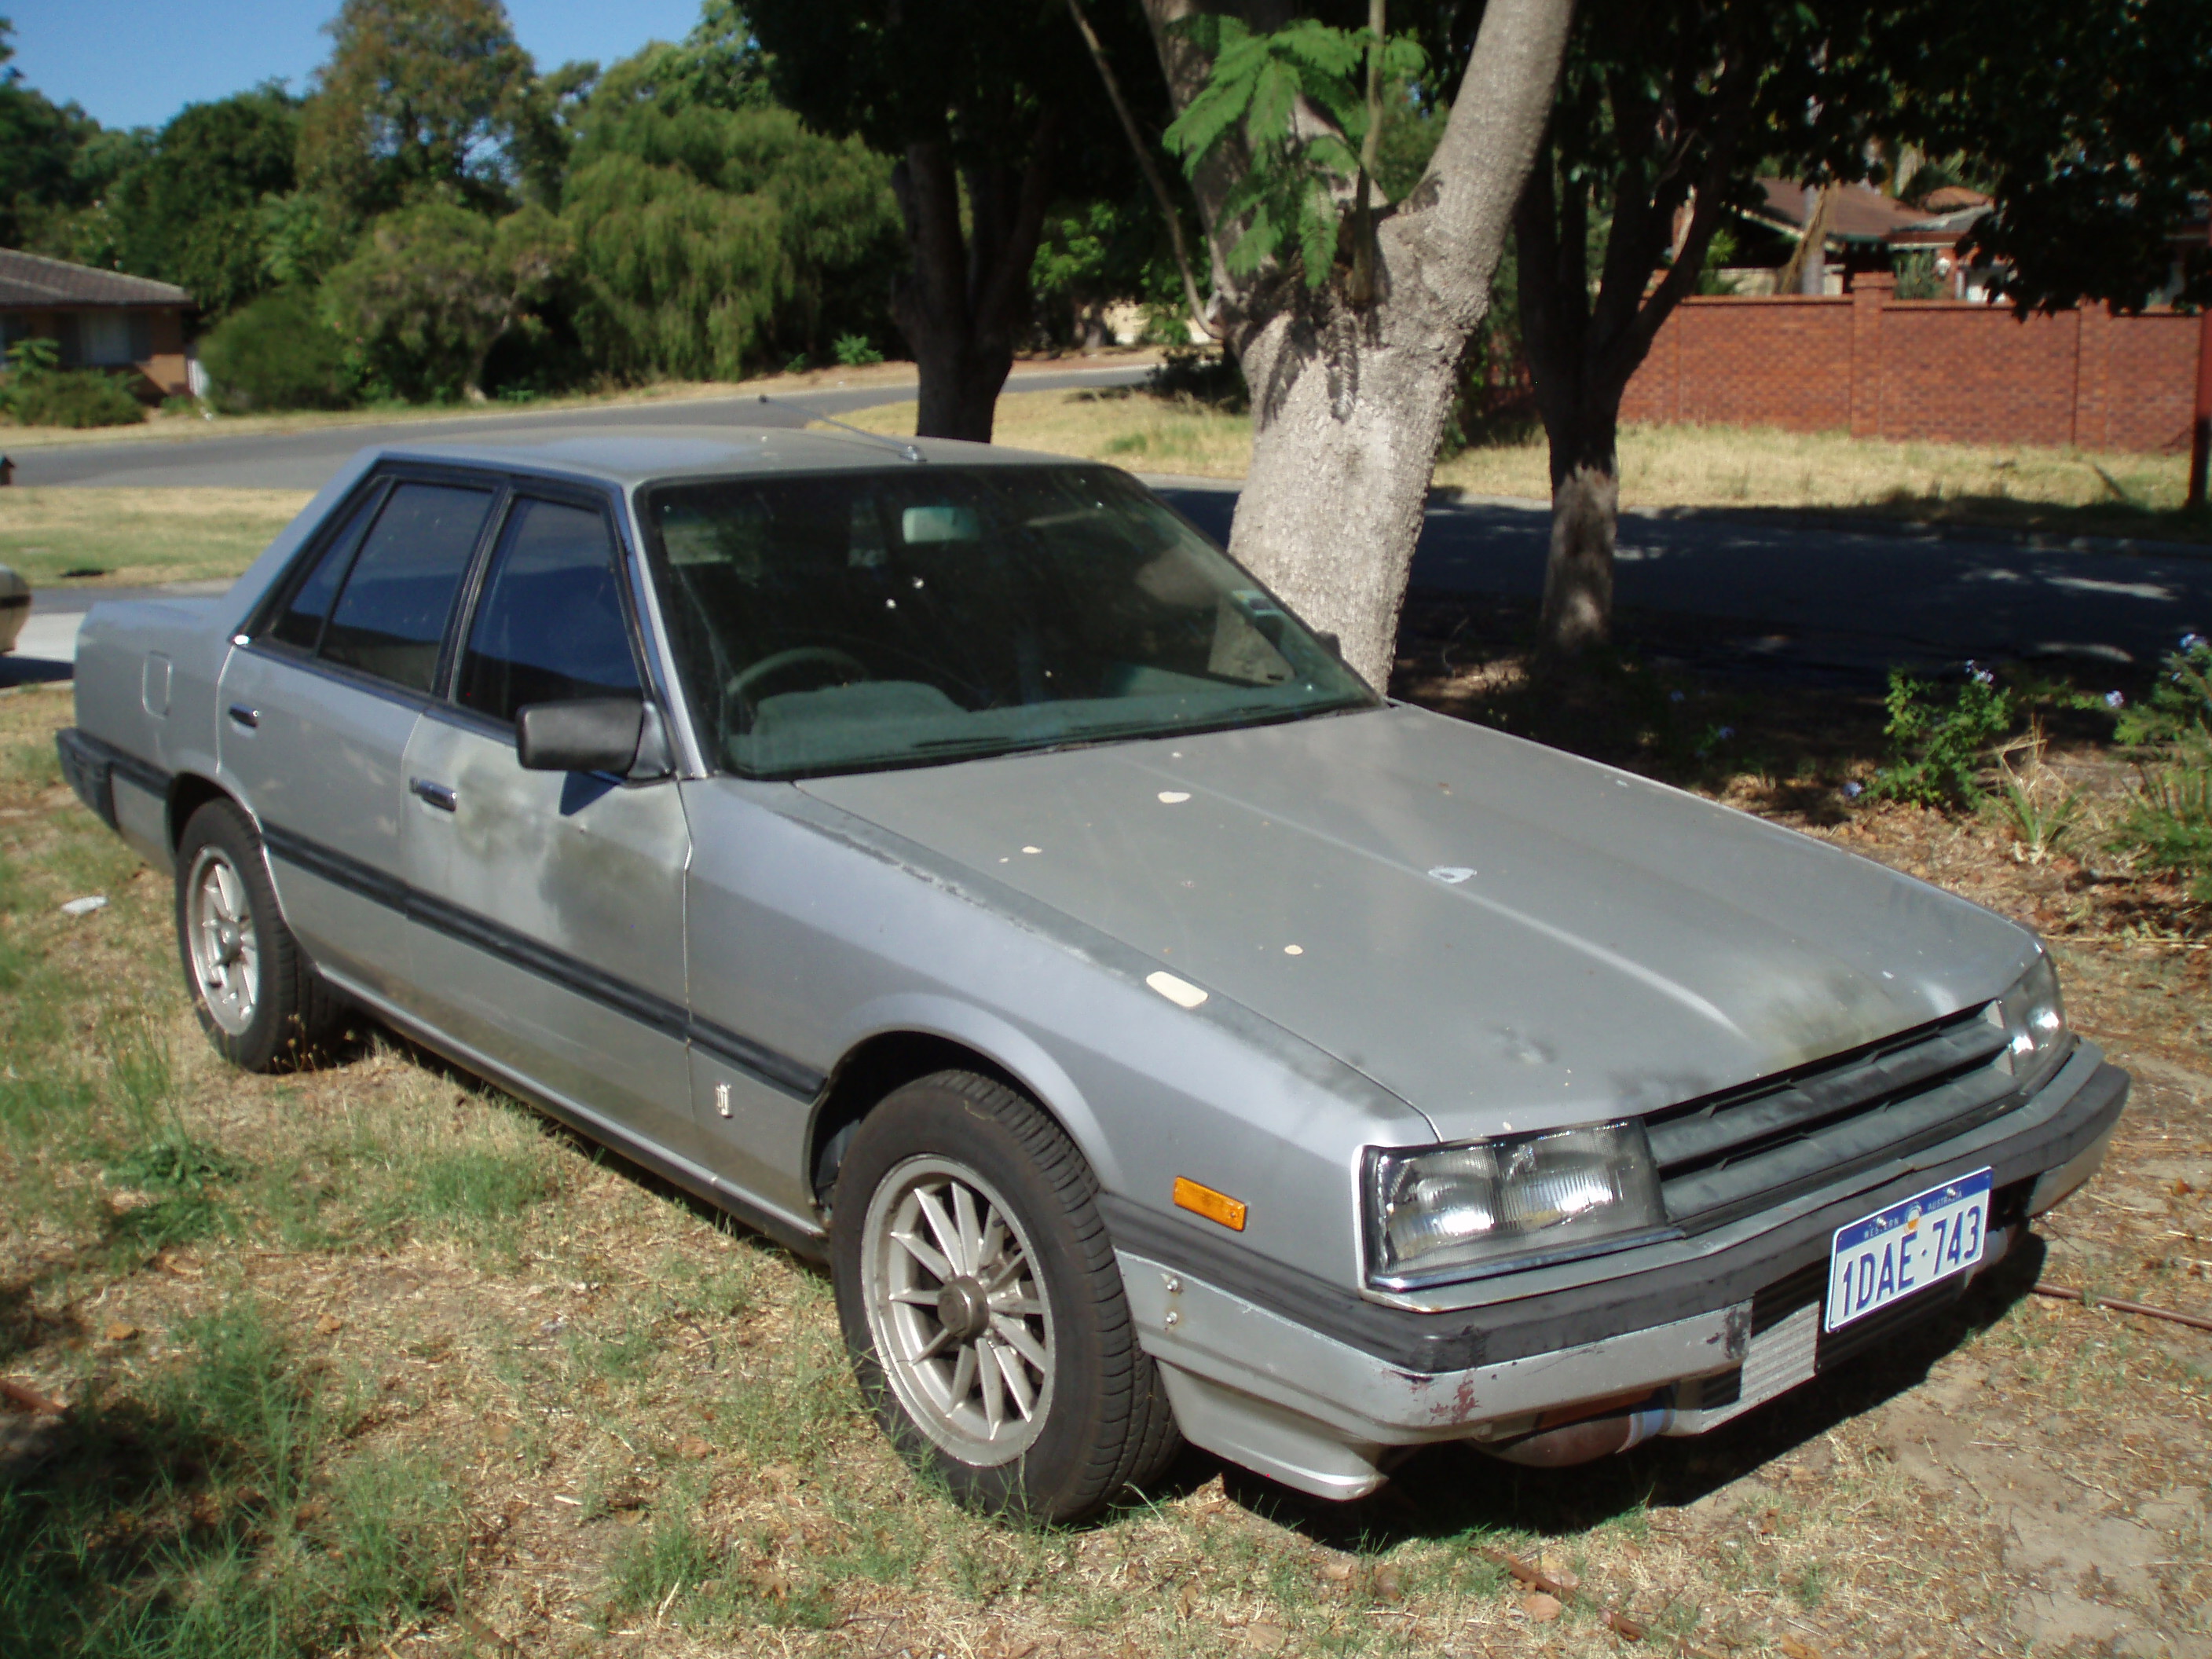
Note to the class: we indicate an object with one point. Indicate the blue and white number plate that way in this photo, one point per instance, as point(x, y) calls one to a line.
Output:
point(1907, 1247)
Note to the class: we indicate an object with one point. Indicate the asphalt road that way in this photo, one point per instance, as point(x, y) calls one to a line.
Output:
point(304, 460)
point(1836, 600)
point(1805, 597)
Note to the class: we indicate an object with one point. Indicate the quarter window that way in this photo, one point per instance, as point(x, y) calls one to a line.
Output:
point(550, 628)
point(391, 616)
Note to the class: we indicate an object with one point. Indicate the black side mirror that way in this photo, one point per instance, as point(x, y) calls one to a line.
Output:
point(1329, 643)
point(595, 734)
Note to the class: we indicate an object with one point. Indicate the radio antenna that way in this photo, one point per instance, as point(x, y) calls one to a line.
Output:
point(905, 449)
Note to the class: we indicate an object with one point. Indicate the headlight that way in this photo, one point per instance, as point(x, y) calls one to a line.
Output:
point(1514, 1201)
point(2034, 1018)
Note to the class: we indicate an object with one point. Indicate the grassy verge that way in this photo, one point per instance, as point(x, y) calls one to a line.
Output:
point(370, 1359)
point(2055, 491)
point(53, 536)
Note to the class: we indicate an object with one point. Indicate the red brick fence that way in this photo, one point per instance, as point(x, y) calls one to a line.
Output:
point(1879, 367)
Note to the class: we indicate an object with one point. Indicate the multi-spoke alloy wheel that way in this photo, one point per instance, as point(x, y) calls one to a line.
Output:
point(256, 995)
point(981, 1302)
point(219, 933)
point(962, 1325)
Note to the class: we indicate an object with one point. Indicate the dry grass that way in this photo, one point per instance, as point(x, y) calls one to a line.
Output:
point(2020, 487)
point(138, 536)
point(598, 1419)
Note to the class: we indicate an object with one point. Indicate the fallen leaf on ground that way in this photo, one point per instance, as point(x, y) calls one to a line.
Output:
point(1540, 1607)
point(1266, 1638)
point(1797, 1649)
point(120, 1331)
point(329, 1325)
point(694, 1449)
point(1386, 1585)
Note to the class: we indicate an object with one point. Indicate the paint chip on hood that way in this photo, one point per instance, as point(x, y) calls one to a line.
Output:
point(1172, 797)
point(1180, 992)
point(1450, 874)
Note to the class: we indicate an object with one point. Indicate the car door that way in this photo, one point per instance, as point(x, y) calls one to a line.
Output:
point(320, 700)
point(548, 906)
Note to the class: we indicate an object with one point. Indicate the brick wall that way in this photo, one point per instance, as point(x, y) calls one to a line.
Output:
point(1880, 366)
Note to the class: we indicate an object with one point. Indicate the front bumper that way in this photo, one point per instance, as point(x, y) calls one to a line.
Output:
point(1317, 1389)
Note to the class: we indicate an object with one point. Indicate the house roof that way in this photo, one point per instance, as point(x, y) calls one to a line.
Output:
point(1864, 215)
point(32, 280)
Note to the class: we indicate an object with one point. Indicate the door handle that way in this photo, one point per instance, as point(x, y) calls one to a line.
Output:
point(435, 794)
point(248, 718)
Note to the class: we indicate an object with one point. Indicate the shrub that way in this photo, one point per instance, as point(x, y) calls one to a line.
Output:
point(1938, 754)
point(855, 351)
point(277, 353)
point(74, 398)
point(2168, 822)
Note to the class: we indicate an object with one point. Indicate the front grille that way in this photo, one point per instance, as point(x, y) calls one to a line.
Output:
point(1733, 1152)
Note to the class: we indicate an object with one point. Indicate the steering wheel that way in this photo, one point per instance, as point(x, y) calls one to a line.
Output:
point(742, 685)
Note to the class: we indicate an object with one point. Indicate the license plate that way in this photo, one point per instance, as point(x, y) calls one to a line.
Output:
point(1907, 1248)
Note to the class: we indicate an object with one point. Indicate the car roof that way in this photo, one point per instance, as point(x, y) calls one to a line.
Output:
point(633, 455)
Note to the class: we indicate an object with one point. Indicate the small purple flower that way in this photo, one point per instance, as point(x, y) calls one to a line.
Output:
point(2116, 700)
point(2193, 642)
point(1673, 696)
point(1854, 789)
point(1983, 676)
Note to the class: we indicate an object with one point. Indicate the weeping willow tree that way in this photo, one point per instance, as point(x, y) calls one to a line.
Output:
point(714, 230)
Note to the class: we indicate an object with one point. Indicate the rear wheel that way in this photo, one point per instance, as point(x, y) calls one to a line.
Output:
point(982, 1307)
point(258, 997)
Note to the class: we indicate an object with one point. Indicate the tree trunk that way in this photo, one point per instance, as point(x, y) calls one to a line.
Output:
point(964, 304)
point(1585, 509)
point(1347, 412)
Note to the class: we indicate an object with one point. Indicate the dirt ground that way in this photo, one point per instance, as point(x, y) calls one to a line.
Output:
point(610, 1421)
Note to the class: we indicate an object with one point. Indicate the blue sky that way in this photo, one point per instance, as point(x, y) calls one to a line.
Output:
point(136, 63)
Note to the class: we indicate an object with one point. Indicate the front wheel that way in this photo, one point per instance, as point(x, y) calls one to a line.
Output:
point(981, 1304)
point(258, 997)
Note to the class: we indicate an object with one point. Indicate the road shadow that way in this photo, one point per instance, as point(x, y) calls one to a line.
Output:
point(33, 671)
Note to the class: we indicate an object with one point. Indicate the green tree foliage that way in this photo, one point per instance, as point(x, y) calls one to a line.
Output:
point(714, 229)
point(193, 210)
point(434, 285)
point(1939, 754)
point(277, 353)
point(1093, 253)
point(420, 96)
point(41, 153)
point(993, 113)
point(1264, 92)
point(2089, 121)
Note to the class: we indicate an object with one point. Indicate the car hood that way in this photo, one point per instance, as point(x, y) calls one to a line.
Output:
point(1504, 935)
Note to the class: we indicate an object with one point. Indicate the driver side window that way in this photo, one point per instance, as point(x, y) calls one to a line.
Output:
point(550, 627)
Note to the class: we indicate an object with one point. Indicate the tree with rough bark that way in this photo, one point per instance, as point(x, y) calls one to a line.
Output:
point(2089, 115)
point(992, 112)
point(1352, 375)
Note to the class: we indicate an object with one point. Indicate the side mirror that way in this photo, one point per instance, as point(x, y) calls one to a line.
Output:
point(1329, 643)
point(595, 734)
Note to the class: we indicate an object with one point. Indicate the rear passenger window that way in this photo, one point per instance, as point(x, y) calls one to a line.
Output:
point(391, 615)
point(309, 607)
point(550, 626)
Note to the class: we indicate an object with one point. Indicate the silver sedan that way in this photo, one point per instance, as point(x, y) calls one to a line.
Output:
point(948, 861)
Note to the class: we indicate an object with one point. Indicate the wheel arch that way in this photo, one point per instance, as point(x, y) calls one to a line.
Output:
point(188, 792)
point(941, 1039)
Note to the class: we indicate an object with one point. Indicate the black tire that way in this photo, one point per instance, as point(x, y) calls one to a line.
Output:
point(1101, 1419)
point(286, 1012)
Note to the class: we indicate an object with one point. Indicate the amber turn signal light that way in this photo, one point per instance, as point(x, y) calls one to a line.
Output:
point(1214, 1206)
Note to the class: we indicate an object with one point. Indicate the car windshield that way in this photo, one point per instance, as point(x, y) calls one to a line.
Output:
point(843, 622)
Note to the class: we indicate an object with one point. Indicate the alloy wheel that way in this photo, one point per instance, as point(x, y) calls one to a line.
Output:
point(219, 932)
point(959, 1318)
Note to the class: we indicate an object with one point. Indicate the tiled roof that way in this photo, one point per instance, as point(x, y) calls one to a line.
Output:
point(31, 280)
point(1862, 214)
